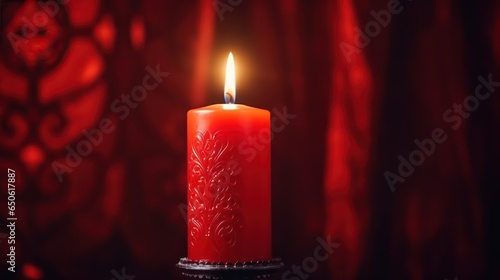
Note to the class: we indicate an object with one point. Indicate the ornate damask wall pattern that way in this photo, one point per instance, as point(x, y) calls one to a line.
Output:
point(62, 65)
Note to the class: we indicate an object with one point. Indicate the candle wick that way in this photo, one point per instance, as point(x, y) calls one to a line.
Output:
point(229, 98)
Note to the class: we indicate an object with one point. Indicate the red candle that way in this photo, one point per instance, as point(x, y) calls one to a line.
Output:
point(229, 189)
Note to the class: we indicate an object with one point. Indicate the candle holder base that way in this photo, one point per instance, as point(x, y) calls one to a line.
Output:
point(225, 271)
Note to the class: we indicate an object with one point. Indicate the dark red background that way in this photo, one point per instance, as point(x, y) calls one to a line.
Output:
point(121, 207)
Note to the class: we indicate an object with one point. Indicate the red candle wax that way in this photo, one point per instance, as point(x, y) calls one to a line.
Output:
point(229, 188)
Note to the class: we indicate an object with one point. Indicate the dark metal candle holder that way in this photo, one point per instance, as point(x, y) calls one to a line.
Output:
point(225, 271)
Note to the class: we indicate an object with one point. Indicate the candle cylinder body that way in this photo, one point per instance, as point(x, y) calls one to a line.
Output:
point(229, 184)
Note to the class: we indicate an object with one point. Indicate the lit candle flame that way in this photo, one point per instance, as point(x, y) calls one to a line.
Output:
point(230, 85)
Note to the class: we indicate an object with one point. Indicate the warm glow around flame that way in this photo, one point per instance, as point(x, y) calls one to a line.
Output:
point(230, 85)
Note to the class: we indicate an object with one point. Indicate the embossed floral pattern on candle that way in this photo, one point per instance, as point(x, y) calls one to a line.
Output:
point(214, 211)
